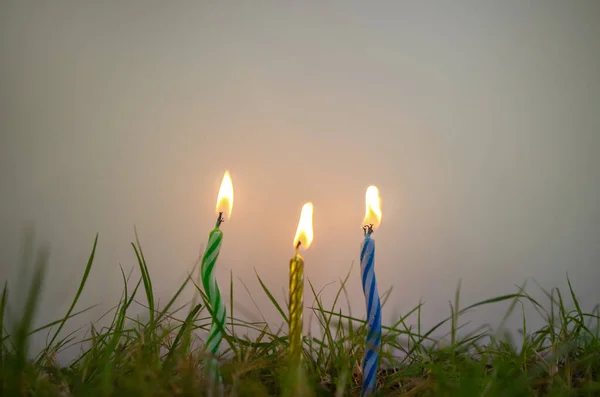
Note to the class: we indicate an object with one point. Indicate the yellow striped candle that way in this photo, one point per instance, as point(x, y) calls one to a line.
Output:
point(302, 239)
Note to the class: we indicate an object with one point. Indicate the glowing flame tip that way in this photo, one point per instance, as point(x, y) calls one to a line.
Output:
point(225, 198)
point(373, 207)
point(304, 233)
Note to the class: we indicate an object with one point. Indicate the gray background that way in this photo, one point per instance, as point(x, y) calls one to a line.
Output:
point(478, 121)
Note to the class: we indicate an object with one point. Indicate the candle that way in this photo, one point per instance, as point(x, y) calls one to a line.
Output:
point(209, 282)
point(369, 284)
point(303, 238)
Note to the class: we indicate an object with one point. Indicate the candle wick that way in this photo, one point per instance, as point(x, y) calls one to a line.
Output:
point(368, 229)
point(220, 219)
point(298, 246)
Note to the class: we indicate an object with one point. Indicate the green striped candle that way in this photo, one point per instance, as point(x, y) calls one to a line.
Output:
point(211, 288)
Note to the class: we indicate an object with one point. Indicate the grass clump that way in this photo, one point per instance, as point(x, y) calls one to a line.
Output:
point(163, 355)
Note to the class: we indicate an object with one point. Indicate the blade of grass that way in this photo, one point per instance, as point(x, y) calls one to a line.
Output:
point(233, 347)
point(480, 303)
point(575, 300)
point(22, 329)
point(271, 297)
point(183, 330)
point(150, 329)
point(147, 283)
point(86, 273)
point(163, 312)
point(2, 354)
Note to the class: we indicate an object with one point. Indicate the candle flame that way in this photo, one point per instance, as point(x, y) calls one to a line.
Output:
point(225, 198)
point(304, 233)
point(373, 203)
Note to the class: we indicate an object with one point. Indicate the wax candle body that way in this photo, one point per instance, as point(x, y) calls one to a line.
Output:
point(373, 339)
point(213, 293)
point(296, 306)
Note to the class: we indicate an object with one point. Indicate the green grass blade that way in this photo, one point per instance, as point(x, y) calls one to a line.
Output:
point(271, 297)
point(183, 330)
point(575, 300)
point(2, 353)
point(164, 311)
point(86, 273)
point(51, 324)
point(23, 327)
point(147, 282)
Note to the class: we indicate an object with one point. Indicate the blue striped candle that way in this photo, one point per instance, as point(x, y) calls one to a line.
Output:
point(369, 284)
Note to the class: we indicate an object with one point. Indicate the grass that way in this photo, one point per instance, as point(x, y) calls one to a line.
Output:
point(163, 355)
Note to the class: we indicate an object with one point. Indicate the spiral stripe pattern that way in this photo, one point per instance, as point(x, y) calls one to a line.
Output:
point(296, 306)
point(213, 293)
point(373, 339)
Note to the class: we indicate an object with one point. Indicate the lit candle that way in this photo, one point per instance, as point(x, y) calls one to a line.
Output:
point(369, 283)
point(215, 335)
point(303, 238)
